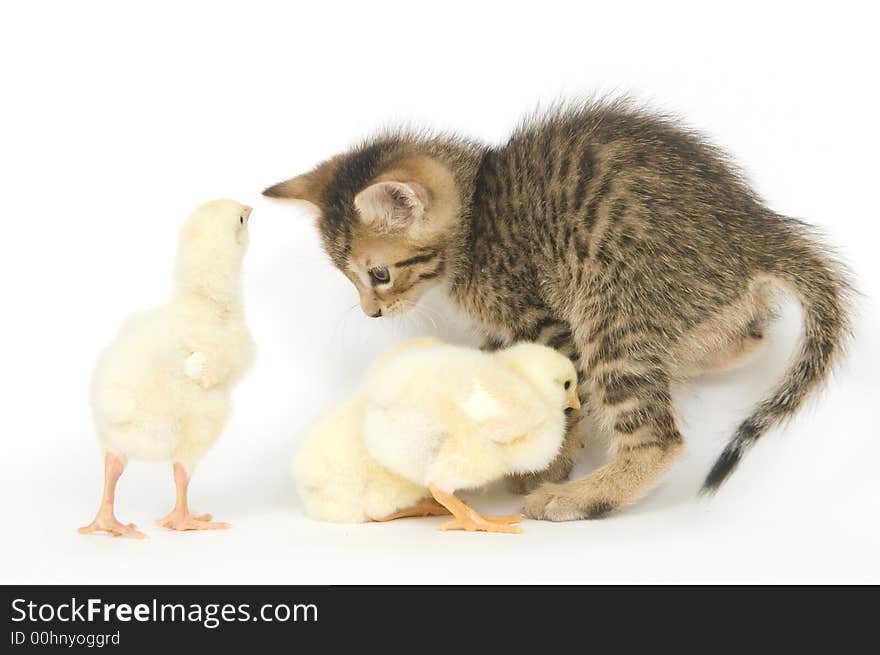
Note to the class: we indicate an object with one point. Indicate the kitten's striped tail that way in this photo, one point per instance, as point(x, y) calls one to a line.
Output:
point(821, 286)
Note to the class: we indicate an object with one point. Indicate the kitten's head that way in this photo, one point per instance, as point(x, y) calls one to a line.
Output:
point(386, 218)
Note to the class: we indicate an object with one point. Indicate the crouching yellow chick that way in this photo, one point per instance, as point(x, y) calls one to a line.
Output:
point(431, 419)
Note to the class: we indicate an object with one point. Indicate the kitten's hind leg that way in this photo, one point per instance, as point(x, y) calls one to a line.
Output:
point(741, 348)
point(729, 339)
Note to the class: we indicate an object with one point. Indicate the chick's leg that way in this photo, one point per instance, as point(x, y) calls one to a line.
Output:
point(430, 507)
point(180, 517)
point(425, 507)
point(466, 518)
point(106, 520)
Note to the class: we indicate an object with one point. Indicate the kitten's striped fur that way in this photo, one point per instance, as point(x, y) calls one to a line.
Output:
point(609, 233)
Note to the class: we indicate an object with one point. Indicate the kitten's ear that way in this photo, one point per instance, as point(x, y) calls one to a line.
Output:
point(393, 205)
point(308, 186)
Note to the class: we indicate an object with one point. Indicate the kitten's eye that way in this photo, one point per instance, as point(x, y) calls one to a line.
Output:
point(567, 385)
point(380, 275)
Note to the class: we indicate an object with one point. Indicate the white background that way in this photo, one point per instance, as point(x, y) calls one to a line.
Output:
point(115, 122)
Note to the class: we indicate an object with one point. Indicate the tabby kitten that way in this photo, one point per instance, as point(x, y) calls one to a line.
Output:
point(613, 235)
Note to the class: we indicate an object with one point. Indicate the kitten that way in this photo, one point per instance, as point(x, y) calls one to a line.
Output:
point(613, 235)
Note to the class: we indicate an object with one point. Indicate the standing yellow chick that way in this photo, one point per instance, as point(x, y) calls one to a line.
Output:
point(431, 419)
point(161, 390)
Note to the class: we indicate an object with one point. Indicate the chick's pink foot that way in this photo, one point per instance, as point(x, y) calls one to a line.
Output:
point(106, 521)
point(183, 520)
point(172, 514)
point(180, 517)
point(466, 518)
point(479, 523)
point(109, 523)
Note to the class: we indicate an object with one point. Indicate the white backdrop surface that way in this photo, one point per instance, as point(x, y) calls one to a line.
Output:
point(116, 121)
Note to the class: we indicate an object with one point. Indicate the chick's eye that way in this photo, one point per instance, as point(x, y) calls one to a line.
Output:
point(567, 385)
point(241, 219)
point(380, 275)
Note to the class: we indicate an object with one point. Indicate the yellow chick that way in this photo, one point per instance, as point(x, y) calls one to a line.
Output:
point(161, 390)
point(432, 419)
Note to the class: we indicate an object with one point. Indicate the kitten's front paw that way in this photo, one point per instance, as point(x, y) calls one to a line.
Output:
point(564, 502)
point(194, 366)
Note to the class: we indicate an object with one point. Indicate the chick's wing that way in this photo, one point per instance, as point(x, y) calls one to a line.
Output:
point(503, 406)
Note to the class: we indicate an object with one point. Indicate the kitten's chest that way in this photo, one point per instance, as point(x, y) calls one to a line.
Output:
point(505, 312)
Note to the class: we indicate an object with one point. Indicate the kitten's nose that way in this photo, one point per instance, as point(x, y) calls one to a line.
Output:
point(370, 305)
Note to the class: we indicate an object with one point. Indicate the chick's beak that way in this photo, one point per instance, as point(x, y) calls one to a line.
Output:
point(573, 401)
point(246, 211)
